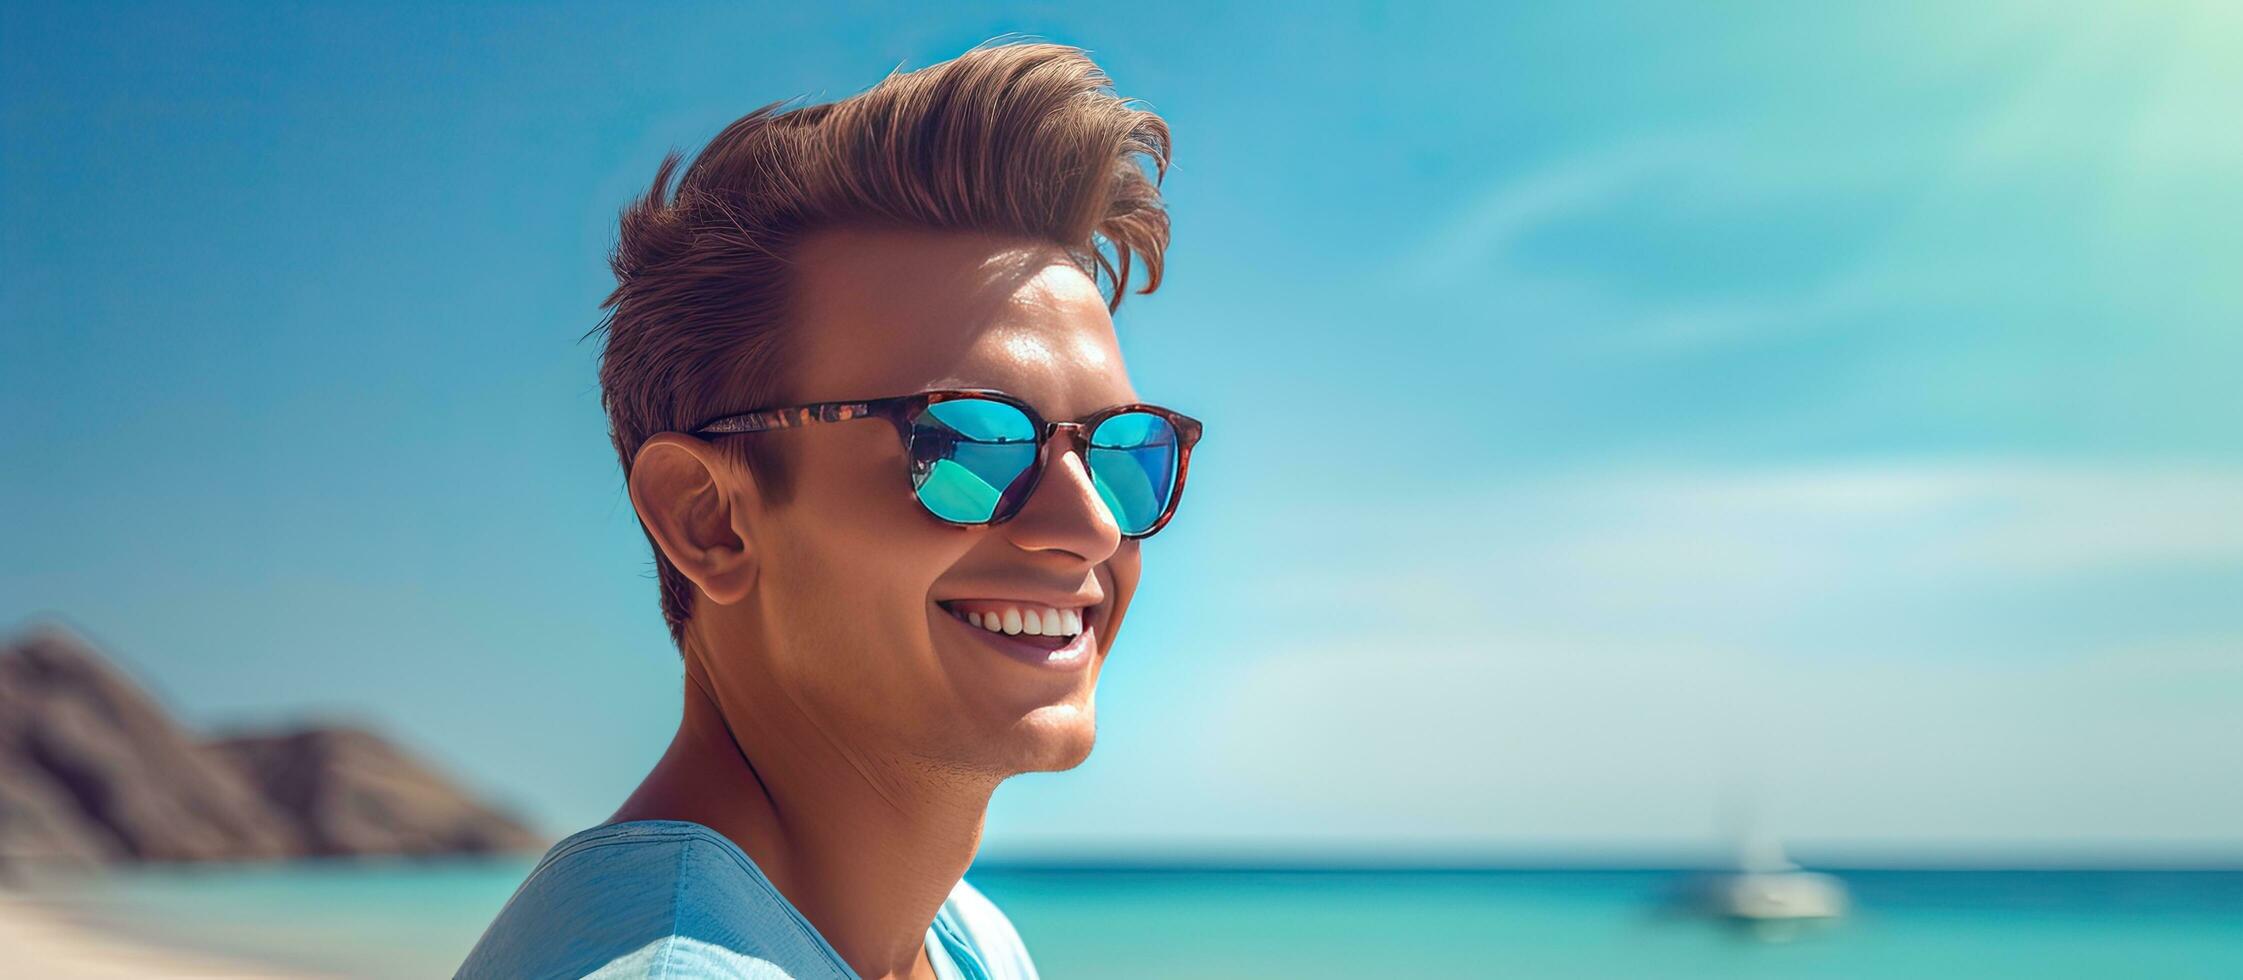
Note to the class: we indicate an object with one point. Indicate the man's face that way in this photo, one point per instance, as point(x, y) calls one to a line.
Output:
point(852, 573)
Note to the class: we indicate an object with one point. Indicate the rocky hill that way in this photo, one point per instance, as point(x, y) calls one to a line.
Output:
point(93, 771)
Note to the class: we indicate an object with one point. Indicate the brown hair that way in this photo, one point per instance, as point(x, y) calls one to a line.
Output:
point(1014, 138)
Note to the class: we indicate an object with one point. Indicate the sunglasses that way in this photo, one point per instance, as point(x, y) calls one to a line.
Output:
point(976, 454)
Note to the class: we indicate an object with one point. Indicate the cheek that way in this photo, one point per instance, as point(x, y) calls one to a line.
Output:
point(1127, 564)
point(849, 614)
point(853, 492)
point(1122, 573)
point(858, 544)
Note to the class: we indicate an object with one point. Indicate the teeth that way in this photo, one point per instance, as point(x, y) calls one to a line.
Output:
point(1031, 620)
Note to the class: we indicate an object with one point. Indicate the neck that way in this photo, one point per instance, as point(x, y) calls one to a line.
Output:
point(867, 848)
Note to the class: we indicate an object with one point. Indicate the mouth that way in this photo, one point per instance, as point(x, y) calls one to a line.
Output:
point(1054, 637)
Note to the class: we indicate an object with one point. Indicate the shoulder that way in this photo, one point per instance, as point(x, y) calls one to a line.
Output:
point(969, 919)
point(650, 899)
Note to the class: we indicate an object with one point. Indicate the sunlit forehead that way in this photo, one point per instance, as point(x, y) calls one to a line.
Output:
point(1030, 349)
point(1065, 370)
point(1050, 343)
point(1052, 350)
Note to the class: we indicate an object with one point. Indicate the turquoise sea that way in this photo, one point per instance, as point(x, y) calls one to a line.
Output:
point(418, 919)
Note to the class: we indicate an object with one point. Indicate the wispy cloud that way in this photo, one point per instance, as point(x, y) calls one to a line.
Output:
point(1665, 540)
point(1507, 738)
point(2021, 196)
point(1488, 244)
point(1482, 241)
point(1891, 651)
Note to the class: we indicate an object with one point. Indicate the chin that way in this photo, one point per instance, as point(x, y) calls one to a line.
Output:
point(1053, 739)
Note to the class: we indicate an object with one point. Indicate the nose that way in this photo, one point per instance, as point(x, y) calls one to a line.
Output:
point(1065, 512)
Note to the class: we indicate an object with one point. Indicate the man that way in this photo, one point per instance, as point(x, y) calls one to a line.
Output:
point(866, 390)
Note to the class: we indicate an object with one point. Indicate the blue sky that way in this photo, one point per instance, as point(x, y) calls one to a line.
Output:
point(1831, 406)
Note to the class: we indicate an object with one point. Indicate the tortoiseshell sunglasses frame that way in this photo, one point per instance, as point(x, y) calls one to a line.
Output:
point(899, 410)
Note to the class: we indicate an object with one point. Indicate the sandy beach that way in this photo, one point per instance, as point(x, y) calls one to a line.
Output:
point(37, 940)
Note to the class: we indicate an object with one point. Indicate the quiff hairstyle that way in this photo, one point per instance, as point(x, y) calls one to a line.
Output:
point(1024, 139)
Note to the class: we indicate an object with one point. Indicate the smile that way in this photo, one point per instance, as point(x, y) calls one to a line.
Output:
point(1046, 636)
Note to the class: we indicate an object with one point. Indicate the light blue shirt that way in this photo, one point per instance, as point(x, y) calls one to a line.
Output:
point(675, 900)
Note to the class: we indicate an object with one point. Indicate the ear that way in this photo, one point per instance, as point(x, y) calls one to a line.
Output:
point(693, 502)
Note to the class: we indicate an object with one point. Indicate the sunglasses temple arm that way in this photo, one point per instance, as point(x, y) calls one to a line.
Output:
point(794, 417)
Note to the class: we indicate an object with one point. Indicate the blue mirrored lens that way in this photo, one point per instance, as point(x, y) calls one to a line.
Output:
point(1133, 459)
point(965, 452)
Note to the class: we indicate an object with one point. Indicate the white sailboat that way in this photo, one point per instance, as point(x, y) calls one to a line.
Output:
point(1763, 890)
point(1768, 887)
